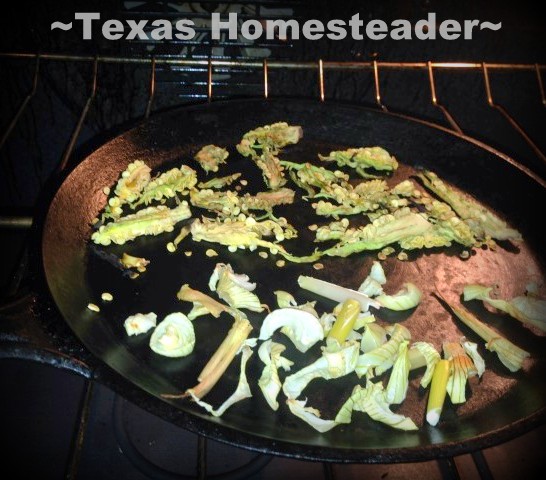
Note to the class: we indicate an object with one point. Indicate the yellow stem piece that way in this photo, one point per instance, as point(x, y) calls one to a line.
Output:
point(438, 391)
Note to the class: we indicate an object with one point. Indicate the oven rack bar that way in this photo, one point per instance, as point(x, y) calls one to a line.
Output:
point(321, 66)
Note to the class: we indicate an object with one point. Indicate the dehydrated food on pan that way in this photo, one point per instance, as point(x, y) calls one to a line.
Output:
point(217, 183)
point(423, 354)
point(408, 297)
point(379, 360)
point(371, 400)
point(202, 303)
point(210, 157)
point(483, 222)
point(269, 381)
point(263, 145)
point(131, 261)
point(174, 336)
point(235, 289)
point(241, 392)
point(528, 309)
point(362, 159)
point(167, 185)
point(462, 367)
point(149, 221)
point(300, 326)
point(438, 391)
point(230, 204)
point(131, 182)
point(397, 387)
point(330, 365)
point(510, 355)
point(222, 357)
point(271, 137)
point(318, 181)
point(140, 323)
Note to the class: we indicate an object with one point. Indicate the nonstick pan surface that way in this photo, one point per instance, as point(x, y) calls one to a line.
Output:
point(499, 406)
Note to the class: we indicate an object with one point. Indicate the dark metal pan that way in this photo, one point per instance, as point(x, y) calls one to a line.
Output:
point(500, 406)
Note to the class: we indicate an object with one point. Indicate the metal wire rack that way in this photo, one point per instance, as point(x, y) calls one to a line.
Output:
point(261, 71)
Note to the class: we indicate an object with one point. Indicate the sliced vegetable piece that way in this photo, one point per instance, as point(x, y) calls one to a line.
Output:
point(482, 221)
point(234, 289)
point(167, 185)
point(269, 382)
point(241, 392)
point(380, 359)
point(310, 415)
point(462, 367)
point(302, 327)
point(174, 336)
point(397, 387)
point(421, 354)
point(510, 355)
point(221, 359)
point(202, 303)
point(531, 311)
point(149, 221)
point(345, 321)
point(335, 292)
point(371, 400)
point(140, 323)
point(363, 158)
point(210, 157)
point(373, 283)
point(330, 365)
point(438, 391)
point(408, 297)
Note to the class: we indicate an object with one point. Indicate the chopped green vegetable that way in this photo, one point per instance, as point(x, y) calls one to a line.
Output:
point(438, 391)
point(510, 355)
point(371, 400)
point(249, 234)
point(397, 387)
point(335, 292)
point(131, 182)
point(462, 367)
point(140, 323)
point(483, 222)
point(374, 336)
point(407, 298)
point(330, 365)
point(300, 326)
point(217, 183)
point(167, 185)
point(361, 159)
point(350, 309)
point(174, 336)
point(427, 355)
point(149, 221)
point(210, 157)
point(220, 360)
point(241, 392)
point(234, 289)
point(269, 382)
point(310, 415)
point(202, 303)
point(263, 145)
point(531, 311)
point(373, 283)
point(380, 359)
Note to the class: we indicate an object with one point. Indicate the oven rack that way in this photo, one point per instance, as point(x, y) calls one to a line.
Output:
point(35, 343)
